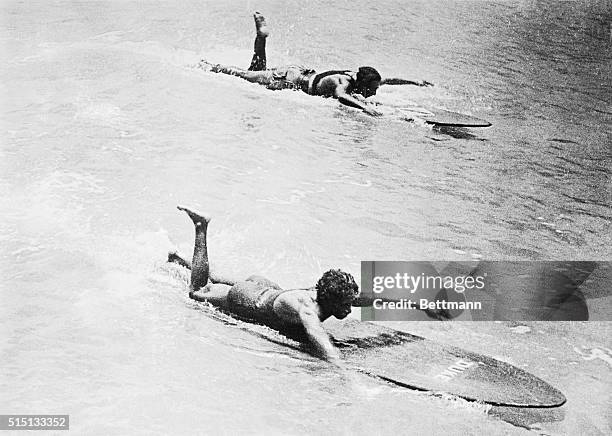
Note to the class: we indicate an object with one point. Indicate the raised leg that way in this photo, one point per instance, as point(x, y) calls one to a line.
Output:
point(258, 63)
point(174, 257)
point(200, 265)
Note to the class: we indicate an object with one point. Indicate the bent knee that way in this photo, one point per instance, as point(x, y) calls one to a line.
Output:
point(214, 293)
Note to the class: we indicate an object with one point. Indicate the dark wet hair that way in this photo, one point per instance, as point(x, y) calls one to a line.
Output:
point(367, 75)
point(334, 286)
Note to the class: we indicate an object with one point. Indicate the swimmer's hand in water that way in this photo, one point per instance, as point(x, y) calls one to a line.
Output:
point(424, 83)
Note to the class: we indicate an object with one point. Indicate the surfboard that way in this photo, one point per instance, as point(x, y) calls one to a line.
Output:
point(441, 117)
point(413, 362)
point(417, 363)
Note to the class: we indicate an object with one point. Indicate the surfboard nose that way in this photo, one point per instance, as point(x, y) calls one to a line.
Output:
point(418, 363)
point(507, 385)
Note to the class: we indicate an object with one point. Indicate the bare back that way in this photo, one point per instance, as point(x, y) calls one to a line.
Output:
point(289, 305)
point(262, 300)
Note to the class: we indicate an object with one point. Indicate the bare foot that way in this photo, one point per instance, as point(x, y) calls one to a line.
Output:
point(197, 218)
point(260, 25)
point(207, 66)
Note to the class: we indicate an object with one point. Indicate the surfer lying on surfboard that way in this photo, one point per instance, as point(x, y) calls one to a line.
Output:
point(263, 301)
point(349, 87)
point(297, 313)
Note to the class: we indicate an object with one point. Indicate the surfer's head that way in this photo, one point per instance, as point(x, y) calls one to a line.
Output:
point(368, 81)
point(336, 290)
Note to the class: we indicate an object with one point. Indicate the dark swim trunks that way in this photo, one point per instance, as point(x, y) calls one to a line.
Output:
point(254, 299)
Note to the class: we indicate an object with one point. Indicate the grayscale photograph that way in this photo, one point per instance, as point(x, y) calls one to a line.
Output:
point(266, 217)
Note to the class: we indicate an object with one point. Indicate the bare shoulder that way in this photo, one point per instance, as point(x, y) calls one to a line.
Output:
point(296, 297)
point(331, 85)
point(290, 304)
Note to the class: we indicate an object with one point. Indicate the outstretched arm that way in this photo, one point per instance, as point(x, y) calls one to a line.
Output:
point(349, 100)
point(363, 300)
point(318, 337)
point(398, 81)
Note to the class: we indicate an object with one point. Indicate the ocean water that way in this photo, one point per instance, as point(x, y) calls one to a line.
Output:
point(107, 126)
